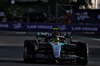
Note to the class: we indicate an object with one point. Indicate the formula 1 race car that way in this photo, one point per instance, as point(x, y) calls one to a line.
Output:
point(54, 46)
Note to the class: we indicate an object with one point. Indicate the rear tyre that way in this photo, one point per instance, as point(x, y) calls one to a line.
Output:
point(30, 48)
point(82, 52)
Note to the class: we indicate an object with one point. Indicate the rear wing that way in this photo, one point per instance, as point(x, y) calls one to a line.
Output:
point(46, 34)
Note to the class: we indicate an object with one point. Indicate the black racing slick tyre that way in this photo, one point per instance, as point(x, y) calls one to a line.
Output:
point(82, 52)
point(30, 48)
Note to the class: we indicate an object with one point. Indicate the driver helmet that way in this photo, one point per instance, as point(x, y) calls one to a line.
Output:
point(55, 33)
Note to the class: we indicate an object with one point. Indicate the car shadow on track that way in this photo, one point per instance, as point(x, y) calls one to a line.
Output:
point(37, 62)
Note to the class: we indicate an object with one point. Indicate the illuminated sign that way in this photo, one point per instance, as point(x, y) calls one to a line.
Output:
point(12, 1)
point(32, 0)
point(1, 13)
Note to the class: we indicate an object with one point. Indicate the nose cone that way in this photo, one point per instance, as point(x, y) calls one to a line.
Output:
point(56, 50)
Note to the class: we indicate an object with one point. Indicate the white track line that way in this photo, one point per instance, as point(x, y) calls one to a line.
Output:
point(10, 45)
point(97, 39)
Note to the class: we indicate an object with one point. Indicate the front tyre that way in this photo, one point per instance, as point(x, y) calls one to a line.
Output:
point(82, 52)
point(30, 48)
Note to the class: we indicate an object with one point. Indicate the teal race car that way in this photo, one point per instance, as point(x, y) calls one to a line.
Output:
point(55, 46)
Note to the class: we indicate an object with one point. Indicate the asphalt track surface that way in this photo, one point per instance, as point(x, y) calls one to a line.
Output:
point(11, 52)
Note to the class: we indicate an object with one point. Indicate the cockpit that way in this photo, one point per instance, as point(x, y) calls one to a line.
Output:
point(55, 39)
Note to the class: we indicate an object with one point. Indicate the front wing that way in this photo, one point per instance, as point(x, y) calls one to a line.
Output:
point(50, 56)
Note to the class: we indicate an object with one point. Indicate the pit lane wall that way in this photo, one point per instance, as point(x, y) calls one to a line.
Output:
point(47, 27)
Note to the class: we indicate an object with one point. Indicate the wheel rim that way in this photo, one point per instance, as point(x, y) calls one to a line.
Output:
point(25, 52)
